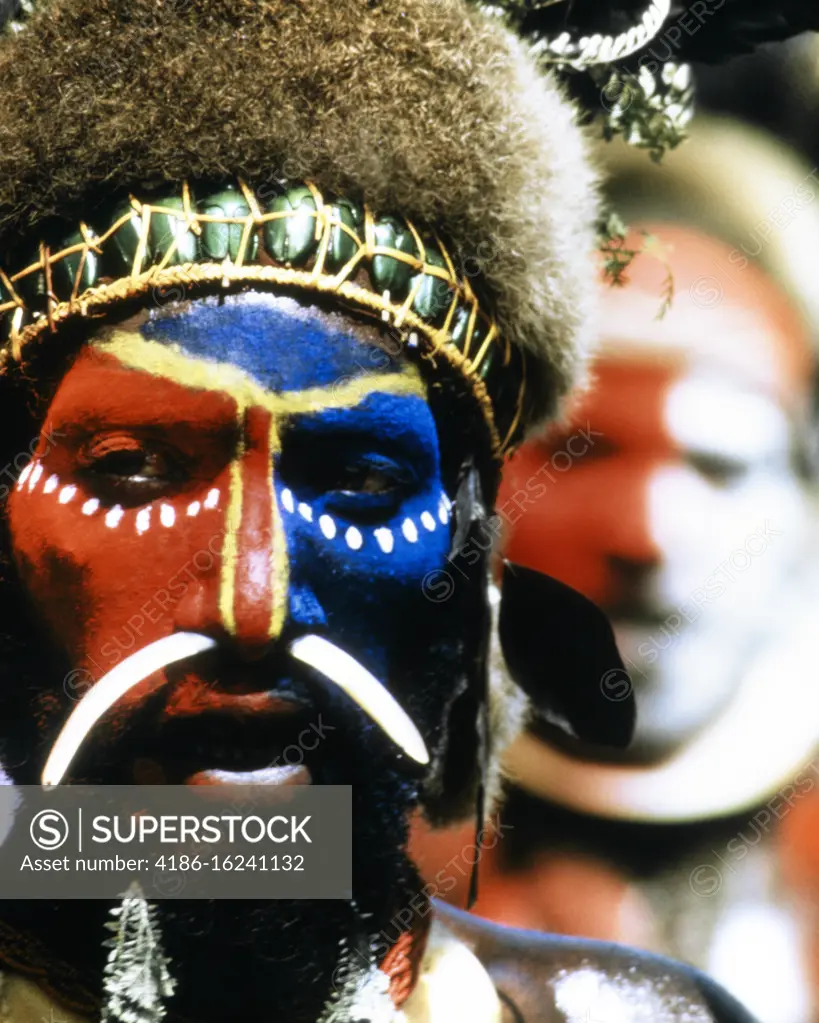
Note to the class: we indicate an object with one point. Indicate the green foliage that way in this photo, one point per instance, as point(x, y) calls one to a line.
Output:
point(618, 257)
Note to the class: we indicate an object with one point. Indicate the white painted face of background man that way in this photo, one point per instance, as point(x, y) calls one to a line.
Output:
point(686, 518)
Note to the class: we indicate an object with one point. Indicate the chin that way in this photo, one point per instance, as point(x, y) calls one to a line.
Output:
point(684, 690)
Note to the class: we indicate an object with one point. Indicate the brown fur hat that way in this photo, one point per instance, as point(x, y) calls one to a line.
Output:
point(423, 107)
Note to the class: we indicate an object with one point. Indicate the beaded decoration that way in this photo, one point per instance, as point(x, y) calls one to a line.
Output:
point(196, 240)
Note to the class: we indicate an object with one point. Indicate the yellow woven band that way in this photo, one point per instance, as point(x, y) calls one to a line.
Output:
point(178, 245)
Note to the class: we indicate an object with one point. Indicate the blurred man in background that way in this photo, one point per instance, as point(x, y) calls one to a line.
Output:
point(686, 516)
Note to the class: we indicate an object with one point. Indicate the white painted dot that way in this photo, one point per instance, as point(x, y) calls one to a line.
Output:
point(287, 500)
point(212, 500)
point(67, 494)
point(24, 475)
point(428, 521)
point(385, 539)
point(193, 509)
point(167, 515)
point(327, 526)
point(143, 519)
point(354, 538)
point(90, 506)
point(35, 476)
point(443, 514)
point(51, 484)
point(413, 340)
point(114, 517)
point(306, 511)
point(410, 530)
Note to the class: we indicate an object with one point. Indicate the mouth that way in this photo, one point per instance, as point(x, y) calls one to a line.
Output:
point(234, 740)
point(295, 775)
point(221, 737)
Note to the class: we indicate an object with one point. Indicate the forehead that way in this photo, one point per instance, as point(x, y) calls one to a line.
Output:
point(727, 316)
point(213, 359)
point(650, 404)
point(280, 344)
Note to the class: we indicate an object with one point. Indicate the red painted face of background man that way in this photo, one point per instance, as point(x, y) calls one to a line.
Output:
point(672, 499)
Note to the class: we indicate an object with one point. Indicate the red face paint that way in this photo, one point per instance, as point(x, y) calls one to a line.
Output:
point(158, 512)
point(670, 463)
point(112, 566)
point(576, 504)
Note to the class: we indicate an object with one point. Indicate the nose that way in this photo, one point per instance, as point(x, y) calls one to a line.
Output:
point(629, 545)
point(244, 599)
point(630, 581)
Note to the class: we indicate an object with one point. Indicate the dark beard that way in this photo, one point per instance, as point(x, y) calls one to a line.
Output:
point(250, 960)
point(253, 960)
point(269, 959)
point(230, 959)
point(277, 959)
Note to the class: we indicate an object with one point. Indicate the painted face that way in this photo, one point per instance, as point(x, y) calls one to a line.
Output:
point(252, 472)
point(260, 475)
point(672, 499)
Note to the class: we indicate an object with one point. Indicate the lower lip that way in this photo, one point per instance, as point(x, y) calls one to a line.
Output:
point(273, 776)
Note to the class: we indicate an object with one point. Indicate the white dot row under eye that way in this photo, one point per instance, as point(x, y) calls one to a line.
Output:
point(384, 537)
point(143, 518)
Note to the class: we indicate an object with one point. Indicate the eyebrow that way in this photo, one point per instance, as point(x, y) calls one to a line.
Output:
point(169, 363)
point(723, 420)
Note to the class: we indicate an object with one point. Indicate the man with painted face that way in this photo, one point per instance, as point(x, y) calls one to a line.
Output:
point(680, 499)
point(266, 398)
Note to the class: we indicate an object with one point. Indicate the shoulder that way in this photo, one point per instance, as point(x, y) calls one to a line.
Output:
point(545, 978)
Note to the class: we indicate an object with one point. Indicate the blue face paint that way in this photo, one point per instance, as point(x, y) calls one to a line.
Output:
point(366, 552)
point(363, 506)
point(281, 344)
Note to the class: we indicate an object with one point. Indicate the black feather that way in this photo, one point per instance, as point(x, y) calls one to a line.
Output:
point(739, 26)
point(560, 649)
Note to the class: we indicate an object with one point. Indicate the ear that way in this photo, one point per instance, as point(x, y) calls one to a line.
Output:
point(560, 649)
point(451, 794)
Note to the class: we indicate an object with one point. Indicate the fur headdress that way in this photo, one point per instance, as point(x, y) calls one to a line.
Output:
point(431, 113)
point(411, 162)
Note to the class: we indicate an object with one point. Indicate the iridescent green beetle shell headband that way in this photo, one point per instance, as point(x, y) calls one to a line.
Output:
point(197, 238)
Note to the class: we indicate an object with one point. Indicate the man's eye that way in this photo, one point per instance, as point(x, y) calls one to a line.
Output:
point(364, 483)
point(137, 466)
point(370, 479)
point(368, 489)
point(130, 471)
point(718, 469)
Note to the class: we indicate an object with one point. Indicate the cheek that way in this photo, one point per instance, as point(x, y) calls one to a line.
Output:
point(754, 531)
point(572, 526)
point(368, 578)
point(108, 580)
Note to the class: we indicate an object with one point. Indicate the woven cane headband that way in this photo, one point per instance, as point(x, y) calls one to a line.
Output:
point(197, 239)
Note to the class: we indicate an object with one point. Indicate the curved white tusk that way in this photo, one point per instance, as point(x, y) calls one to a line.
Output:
point(112, 687)
point(365, 689)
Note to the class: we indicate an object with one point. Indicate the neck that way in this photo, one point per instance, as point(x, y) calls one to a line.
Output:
point(451, 984)
point(369, 979)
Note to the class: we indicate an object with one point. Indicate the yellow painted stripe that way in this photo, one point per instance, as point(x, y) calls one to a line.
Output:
point(279, 562)
point(230, 548)
point(170, 363)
